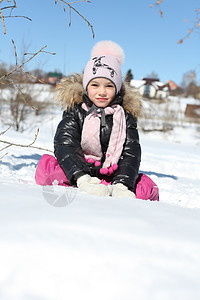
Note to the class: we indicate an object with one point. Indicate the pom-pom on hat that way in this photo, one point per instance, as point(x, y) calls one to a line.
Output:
point(106, 60)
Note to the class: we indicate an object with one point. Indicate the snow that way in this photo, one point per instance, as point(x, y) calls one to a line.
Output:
point(137, 83)
point(59, 243)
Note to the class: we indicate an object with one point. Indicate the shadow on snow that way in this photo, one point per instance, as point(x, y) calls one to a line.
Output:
point(13, 165)
point(37, 157)
point(160, 175)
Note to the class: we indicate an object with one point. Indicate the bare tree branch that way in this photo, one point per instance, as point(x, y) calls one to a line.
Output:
point(69, 4)
point(18, 17)
point(23, 96)
point(9, 144)
point(31, 75)
point(4, 155)
point(196, 23)
point(20, 66)
point(11, 7)
point(5, 148)
point(3, 132)
point(57, 1)
point(194, 28)
point(15, 53)
point(2, 19)
point(76, 11)
point(52, 53)
point(157, 5)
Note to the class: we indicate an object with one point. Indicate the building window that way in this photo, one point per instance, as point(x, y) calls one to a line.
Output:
point(147, 89)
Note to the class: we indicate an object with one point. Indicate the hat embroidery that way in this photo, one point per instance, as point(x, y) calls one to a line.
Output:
point(99, 64)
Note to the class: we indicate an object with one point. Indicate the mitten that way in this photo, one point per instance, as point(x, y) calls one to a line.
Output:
point(91, 185)
point(120, 190)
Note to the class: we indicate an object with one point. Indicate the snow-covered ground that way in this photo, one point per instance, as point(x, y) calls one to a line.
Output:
point(101, 248)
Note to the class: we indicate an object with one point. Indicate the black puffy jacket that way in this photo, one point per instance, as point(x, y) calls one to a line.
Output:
point(67, 141)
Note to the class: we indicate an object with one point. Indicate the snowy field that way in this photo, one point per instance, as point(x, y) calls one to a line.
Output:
point(59, 243)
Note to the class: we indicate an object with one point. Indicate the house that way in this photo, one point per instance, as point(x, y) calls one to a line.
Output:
point(172, 85)
point(151, 88)
point(53, 77)
point(174, 89)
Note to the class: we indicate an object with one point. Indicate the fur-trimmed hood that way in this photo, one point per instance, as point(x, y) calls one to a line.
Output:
point(70, 91)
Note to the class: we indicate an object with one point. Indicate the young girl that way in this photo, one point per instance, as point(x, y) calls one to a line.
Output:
point(96, 144)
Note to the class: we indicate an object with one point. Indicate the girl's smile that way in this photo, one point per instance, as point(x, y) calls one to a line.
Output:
point(101, 91)
point(102, 99)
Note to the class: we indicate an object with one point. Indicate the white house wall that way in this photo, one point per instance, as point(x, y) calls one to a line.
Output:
point(162, 94)
point(141, 90)
point(152, 92)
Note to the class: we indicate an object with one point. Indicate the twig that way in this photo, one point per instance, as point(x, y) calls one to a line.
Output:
point(15, 53)
point(2, 19)
point(9, 144)
point(15, 5)
point(14, 84)
point(36, 135)
point(3, 132)
point(5, 147)
point(23, 96)
point(11, 7)
point(52, 53)
point(31, 75)
point(157, 5)
point(70, 16)
point(20, 66)
point(76, 11)
point(57, 1)
point(18, 17)
point(196, 26)
point(7, 7)
point(79, 1)
point(4, 155)
point(24, 146)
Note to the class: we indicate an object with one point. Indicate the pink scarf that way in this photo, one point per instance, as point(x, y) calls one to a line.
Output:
point(90, 140)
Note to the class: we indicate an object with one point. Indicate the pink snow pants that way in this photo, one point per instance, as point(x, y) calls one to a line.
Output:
point(48, 172)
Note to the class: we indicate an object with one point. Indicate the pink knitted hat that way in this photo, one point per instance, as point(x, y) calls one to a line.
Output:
point(106, 60)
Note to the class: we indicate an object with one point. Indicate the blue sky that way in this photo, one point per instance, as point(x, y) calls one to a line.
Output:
point(149, 41)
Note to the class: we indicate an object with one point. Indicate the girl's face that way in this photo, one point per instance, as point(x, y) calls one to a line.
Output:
point(101, 91)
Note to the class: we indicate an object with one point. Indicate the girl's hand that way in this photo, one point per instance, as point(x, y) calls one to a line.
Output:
point(120, 190)
point(91, 185)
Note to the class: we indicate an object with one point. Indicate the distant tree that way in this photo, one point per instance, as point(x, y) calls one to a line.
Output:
point(38, 73)
point(193, 90)
point(3, 71)
point(188, 77)
point(177, 92)
point(129, 76)
point(19, 111)
point(153, 75)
